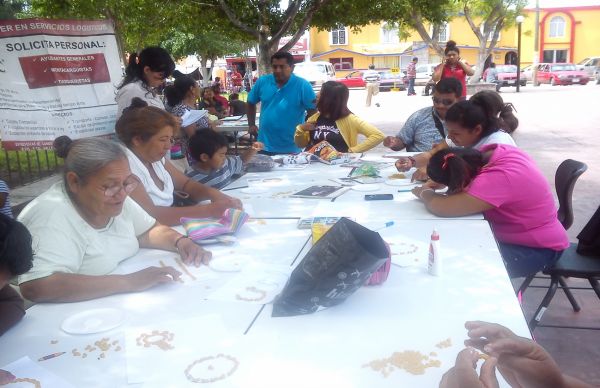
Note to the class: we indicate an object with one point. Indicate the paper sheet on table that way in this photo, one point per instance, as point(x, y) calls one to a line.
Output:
point(343, 209)
point(192, 116)
point(158, 354)
point(25, 368)
point(256, 283)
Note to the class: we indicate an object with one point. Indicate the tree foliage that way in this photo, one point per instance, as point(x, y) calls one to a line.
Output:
point(10, 9)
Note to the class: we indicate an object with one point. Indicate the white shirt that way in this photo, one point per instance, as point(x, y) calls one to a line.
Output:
point(371, 76)
point(135, 89)
point(64, 242)
point(159, 197)
point(498, 137)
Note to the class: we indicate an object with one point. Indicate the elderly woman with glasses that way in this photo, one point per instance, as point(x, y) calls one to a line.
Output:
point(84, 226)
point(145, 73)
point(147, 133)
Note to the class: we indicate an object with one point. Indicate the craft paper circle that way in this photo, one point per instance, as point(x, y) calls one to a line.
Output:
point(93, 321)
point(226, 264)
point(399, 182)
point(367, 187)
point(254, 190)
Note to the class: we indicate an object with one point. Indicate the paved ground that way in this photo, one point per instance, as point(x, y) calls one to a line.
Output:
point(556, 123)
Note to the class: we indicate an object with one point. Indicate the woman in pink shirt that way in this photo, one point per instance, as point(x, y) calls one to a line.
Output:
point(504, 183)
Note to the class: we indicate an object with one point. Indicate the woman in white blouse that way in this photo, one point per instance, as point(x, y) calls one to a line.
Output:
point(144, 73)
point(147, 132)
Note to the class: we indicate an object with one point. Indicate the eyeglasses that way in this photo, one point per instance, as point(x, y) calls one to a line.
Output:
point(443, 101)
point(129, 185)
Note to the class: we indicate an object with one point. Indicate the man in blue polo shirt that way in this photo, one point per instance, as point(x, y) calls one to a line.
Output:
point(285, 99)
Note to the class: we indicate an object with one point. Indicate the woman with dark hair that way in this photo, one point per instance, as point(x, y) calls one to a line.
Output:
point(181, 99)
point(144, 73)
point(484, 119)
point(453, 67)
point(147, 131)
point(335, 124)
point(85, 225)
point(208, 102)
point(505, 184)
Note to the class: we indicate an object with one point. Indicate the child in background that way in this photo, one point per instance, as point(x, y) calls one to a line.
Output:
point(5, 207)
point(213, 167)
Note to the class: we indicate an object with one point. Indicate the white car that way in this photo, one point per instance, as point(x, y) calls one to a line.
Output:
point(317, 73)
point(424, 73)
point(589, 65)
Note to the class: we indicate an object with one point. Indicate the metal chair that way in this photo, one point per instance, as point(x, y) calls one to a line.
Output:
point(570, 264)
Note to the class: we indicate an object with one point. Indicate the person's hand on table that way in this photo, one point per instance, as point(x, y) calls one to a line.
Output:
point(392, 142)
point(219, 206)
point(420, 175)
point(464, 374)
point(192, 253)
point(253, 130)
point(419, 190)
point(522, 362)
point(433, 185)
point(404, 164)
point(150, 277)
point(258, 146)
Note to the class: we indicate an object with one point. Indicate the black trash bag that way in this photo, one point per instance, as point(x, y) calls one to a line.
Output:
point(339, 263)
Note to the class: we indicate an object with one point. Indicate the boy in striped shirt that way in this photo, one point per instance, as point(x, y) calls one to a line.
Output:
point(213, 167)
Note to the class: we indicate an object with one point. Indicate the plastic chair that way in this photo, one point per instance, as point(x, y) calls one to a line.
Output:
point(570, 264)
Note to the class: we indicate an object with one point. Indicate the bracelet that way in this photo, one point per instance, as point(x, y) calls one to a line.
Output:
point(421, 193)
point(179, 239)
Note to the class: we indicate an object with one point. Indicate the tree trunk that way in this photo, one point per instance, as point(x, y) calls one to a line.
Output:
point(482, 55)
point(266, 48)
point(204, 72)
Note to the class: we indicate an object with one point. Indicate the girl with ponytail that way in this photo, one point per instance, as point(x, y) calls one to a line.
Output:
point(502, 182)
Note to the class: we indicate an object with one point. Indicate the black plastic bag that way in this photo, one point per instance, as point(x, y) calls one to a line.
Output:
point(337, 265)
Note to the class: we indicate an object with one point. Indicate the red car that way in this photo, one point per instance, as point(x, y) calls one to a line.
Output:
point(507, 75)
point(353, 80)
point(561, 74)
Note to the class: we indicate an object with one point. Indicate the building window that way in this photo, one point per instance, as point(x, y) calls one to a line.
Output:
point(342, 63)
point(555, 56)
point(339, 36)
point(557, 27)
point(443, 34)
point(389, 33)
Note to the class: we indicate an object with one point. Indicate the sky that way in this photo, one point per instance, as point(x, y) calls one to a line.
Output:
point(563, 3)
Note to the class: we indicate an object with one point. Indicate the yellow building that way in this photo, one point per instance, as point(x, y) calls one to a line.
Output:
point(567, 34)
point(379, 44)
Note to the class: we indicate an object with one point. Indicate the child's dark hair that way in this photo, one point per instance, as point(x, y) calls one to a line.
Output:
point(16, 254)
point(485, 108)
point(156, 58)
point(493, 105)
point(451, 46)
point(176, 93)
point(333, 100)
point(206, 141)
point(455, 167)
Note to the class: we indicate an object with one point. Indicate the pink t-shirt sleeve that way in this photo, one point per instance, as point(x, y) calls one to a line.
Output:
point(491, 186)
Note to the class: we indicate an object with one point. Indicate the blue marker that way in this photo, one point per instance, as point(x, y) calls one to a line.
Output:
point(386, 225)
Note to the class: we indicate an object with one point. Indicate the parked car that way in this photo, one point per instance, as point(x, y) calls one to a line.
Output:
point(527, 73)
point(353, 79)
point(597, 75)
point(589, 65)
point(561, 74)
point(424, 73)
point(316, 73)
point(391, 80)
point(507, 76)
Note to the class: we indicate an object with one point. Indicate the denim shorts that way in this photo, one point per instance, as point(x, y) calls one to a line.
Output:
point(523, 261)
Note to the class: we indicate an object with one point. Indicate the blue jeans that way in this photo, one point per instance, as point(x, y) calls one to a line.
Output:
point(524, 261)
point(411, 86)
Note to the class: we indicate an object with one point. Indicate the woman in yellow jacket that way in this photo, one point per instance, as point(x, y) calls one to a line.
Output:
point(335, 123)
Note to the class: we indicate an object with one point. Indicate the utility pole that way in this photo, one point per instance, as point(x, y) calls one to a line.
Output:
point(536, 50)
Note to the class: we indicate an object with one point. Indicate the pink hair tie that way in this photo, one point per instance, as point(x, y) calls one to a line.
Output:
point(446, 157)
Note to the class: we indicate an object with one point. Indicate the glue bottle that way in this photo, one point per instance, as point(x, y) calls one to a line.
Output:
point(435, 261)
